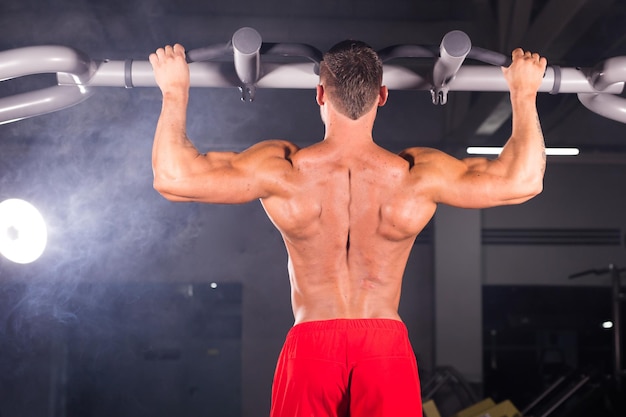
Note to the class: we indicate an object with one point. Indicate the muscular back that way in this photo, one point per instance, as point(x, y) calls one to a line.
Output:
point(348, 210)
point(349, 219)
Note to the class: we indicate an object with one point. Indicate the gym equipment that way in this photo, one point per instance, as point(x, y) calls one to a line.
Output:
point(566, 390)
point(249, 63)
point(429, 409)
point(448, 389)
point(488, 408)
point(476, 409)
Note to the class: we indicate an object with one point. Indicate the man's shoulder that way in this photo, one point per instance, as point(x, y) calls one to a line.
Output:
point(277, 143)
point(276, 147)
point(419, 154)
point(419, 150)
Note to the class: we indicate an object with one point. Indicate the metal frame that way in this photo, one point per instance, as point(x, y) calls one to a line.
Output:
point(616, 299)
point(246, 62)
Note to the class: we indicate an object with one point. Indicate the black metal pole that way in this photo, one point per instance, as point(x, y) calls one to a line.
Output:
point(617, 342)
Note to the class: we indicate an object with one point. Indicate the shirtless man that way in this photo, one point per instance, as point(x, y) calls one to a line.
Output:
point(349, 212)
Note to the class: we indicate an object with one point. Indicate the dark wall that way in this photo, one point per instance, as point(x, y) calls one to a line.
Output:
point(87, 169)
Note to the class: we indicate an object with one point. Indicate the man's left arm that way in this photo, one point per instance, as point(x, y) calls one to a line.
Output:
point(512, 178)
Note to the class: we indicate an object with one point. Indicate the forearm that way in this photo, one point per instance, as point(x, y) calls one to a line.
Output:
point(172, 152)
point(517, 174)
point(523, 155)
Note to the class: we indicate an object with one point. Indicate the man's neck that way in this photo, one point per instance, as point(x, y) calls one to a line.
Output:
point(346, 130)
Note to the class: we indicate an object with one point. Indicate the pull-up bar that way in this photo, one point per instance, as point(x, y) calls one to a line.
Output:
point(249, 63)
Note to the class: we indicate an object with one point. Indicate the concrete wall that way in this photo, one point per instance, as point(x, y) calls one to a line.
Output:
point(584, 196)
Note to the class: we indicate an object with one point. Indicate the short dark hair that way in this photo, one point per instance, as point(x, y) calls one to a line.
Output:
point(352, 72)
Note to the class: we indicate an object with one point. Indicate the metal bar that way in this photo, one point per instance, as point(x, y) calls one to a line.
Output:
point(565, 397)
point(617, 329)
point(46, 100)
point(45, 59)
point(302, 75)
point(454, 48)
point(246, 54)
point(597, 88)
point(543, 395)
point(606, 105)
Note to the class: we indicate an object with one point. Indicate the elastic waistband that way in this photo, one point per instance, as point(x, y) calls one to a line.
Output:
point(348, 324)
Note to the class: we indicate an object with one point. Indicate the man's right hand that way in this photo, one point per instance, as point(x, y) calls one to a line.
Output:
point(170, 69)
point(525, 74)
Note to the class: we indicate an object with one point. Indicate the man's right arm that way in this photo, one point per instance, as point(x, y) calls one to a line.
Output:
point(516, 175)
point(181, 173)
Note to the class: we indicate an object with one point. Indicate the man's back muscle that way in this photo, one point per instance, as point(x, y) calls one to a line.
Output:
point(348, 217)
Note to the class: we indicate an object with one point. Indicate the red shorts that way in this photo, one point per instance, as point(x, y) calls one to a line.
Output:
point(346, 367)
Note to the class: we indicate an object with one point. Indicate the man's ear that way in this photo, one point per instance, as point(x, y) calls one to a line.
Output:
point(382, 96)
point(319, 95)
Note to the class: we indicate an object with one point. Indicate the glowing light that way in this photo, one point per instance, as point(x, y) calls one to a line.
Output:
point(23, 233)
point(494, 150)
point(213, 285)
point(607, 325)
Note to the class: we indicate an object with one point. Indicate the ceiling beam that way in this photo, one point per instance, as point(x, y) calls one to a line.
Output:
point(321, 32)
point(513, 22)
point(556, 17)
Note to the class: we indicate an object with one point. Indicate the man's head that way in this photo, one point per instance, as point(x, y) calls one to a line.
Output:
point(352, 73)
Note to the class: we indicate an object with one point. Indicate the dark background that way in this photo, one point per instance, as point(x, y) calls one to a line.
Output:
point(105, 322)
